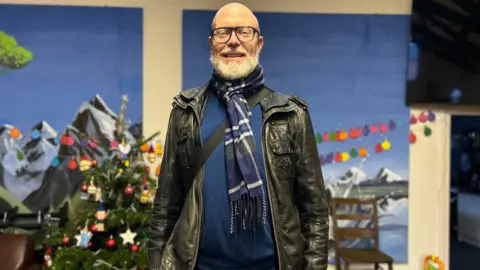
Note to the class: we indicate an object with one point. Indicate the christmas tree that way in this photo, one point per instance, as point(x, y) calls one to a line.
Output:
point(109, 231)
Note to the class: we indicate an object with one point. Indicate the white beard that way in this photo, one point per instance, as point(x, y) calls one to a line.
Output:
point(234, 70)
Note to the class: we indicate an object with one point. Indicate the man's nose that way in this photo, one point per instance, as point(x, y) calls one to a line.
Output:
point(234, 42)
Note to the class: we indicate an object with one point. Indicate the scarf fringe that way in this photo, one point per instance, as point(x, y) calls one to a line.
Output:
point(248, 213)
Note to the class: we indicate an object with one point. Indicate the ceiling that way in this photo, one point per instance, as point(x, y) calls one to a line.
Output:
point(450, 29)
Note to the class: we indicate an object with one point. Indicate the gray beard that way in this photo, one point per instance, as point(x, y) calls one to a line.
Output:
point(233, 70)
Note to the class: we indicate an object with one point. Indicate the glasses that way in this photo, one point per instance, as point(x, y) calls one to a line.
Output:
point(224, 34)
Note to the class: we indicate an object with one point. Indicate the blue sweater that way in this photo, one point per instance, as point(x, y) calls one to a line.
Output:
point(220, 250)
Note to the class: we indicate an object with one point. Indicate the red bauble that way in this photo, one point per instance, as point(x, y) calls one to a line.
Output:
point(93, 228)
point(89, 244)
point(65, 240)
point(84, 187)
point(133, 247)
point(128, 190)
point(110, 242)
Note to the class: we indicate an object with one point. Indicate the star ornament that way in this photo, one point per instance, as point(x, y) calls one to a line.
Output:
point(128, 237)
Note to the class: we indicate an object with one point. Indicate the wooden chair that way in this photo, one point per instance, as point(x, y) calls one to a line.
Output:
point(357, 255)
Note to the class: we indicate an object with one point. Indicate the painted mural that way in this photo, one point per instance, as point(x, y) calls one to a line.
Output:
point(63, 73)
point(352, 70)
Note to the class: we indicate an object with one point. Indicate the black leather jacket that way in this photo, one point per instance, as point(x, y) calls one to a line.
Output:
point(295, 185)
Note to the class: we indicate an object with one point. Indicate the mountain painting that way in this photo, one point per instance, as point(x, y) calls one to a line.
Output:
point(352, 72)
point(63, 70)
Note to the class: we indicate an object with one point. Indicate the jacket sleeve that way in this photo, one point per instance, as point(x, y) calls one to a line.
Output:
point(310, 196)
point(169, 198)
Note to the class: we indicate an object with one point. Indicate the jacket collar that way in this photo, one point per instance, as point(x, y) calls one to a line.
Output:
point(197, 97)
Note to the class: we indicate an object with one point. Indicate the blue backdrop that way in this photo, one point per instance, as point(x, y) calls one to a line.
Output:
point(352, 70)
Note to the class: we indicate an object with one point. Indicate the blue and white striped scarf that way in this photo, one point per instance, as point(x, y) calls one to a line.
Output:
point(244, 181)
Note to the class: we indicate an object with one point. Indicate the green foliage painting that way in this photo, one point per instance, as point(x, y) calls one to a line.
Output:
point(13, 56)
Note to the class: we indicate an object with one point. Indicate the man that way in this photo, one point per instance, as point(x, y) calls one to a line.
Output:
point(259, 202)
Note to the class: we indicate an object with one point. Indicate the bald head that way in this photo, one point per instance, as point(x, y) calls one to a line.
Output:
point(234, 14)
point(235, 41)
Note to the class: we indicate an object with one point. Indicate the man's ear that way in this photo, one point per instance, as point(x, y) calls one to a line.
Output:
point(210, 41)
point(260, 44)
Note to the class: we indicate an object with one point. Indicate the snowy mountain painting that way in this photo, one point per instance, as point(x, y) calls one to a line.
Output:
point(32, 180)
point(63, 69)
point(352, 73)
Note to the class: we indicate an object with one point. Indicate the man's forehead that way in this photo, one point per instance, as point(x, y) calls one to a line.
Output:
point(234, 15)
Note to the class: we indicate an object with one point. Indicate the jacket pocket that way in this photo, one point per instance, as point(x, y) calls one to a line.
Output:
point(282, 159)
point(183, 151)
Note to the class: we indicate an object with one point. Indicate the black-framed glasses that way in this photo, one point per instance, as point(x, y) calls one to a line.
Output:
point(224, 34)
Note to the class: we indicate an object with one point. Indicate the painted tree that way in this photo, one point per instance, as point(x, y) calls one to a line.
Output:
point(13, 56)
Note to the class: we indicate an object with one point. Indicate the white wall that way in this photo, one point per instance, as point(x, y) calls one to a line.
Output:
point(429, 166)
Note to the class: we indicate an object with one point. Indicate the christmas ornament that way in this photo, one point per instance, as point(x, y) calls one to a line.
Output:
point(345, 156)
point(84, 195)
point(114, 144)
point(128, 190)
point(72, 164)
point(378, 148)
point(67, 140)
point(55, 162)
point(36, 134)
point(125, 164)
point(338, 157)
point(366, 130)
point(133, 247)
point(431, 116)
point(343, 136)
point(85, 163)
point(392, 125)
point(124, 149)
point(383, 128)
point(318, 137)
point(65, 240)
point(98, 195)
point(128, 236)
point(332, 136)
point(412, 137)
point(158, 149)
point(15, 133)
point(83, 238)
point(145, 196)
point(20, 155)
point(330, 158)
point(422, 118)
point(92, 189)
point(110, 242)
point(93, 227)
point(93, 142)
point(326, 137)
point(354, 153)
point(353, 133)
point(413, 120)
point(337, 136)
point(47, 257)
point(363, 152)
point(373, 128)
point(433, 263)
point(144, 147)
point(386, 145)
point(151, 156)
point(84, 143)
point(427, 131)
point(100, 215)
point(157, 170)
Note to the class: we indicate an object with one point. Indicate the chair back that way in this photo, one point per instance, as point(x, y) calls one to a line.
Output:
point(357, 232)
